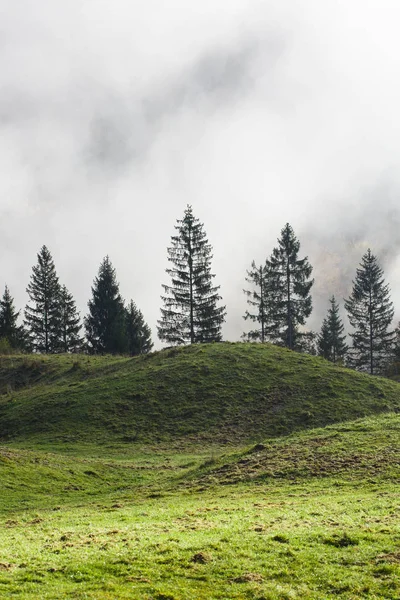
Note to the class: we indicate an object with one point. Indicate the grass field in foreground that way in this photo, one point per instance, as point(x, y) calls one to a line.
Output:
point(313, 515)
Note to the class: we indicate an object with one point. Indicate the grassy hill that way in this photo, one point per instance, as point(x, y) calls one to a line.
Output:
point(201, 473)
point(227, 392)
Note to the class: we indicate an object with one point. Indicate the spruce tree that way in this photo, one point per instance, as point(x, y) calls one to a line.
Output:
point(290, 289)
point(42, 319)
point(137, 330)
point(370, 312)
point(259, 298)
point(9, 330)
point(332, 340)
point(191, 313)
point(324, 341)
point(70, 326)
point(105, 323)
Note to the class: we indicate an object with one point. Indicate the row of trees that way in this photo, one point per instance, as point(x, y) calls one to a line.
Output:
point(279, 305)
point(52, 323)
point(281, 295)
point(279, 302)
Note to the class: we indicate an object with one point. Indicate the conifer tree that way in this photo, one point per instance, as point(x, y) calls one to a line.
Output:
point(191, 313)
point(306, 341)
point(332, 340)
point(258, 297)
point(105, 323)
point(137, 330)
point(9, 330)
point(70, 325)
point(290, 287)
point(370, 313)
point(324, 341)
point(396, 344)
point(42, 319)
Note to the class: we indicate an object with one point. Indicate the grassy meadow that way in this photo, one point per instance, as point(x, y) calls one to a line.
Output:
point(211, 472)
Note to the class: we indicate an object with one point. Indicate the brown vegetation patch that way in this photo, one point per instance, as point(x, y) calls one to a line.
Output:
point(201, 558)
point(391, 557)
point(248, 578)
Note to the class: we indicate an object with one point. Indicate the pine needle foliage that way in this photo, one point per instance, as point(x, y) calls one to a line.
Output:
point(324, 341)
point(332, 339)
point(290, 286)
point(70, 325)
point(9, 329)
point(370, 312)
point(42, 318)
point(105, 323)
point(137, 331)
point(258, 298)
point(191, 313)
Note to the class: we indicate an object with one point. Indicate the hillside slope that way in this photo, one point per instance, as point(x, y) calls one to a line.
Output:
point(366, 450)
point(225, 392)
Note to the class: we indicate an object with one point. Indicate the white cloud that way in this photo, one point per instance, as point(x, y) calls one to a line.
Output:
point(114, 116)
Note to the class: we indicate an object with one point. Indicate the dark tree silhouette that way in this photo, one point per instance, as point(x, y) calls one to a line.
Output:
point(191, 312)
point(70, 325)
point(42, 318)
point(259, 298)
point(137, 331)
point(105, 323)
point(370, 312)
point(290, 286)
point(332, 339)
point(15, 334)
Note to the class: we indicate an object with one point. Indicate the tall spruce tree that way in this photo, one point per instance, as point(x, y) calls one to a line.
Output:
point(370, 312)
point(42, 319)
point(137, 330)
point(191, 312)
point(9, 329)
point(259, 298)
point(332, 339)
point(70, 325)
point(105, 323)
point(290, 288)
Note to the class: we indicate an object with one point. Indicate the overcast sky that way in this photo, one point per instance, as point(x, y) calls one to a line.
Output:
point(115, 115)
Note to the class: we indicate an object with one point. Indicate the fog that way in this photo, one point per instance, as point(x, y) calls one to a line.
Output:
point(115, 116)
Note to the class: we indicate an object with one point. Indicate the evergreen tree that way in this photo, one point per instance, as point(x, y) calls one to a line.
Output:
point(9, 330)
point(290, 289)
point(191, 313)
point(137, 330)
point(332, 340)
point(393, 366)
point(396, 344)
point(306, 341)
point(70, 325)
point(324, 341)
point(258, 297)
point(42, 320)
point(370, 312)
point(105, 323)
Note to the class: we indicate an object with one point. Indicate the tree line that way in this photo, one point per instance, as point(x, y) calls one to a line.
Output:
point(278, 296)
point(52, 323)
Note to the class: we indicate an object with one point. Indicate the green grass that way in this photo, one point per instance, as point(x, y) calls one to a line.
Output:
point(287, 519)
point(220, 504)
point(229, 392)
